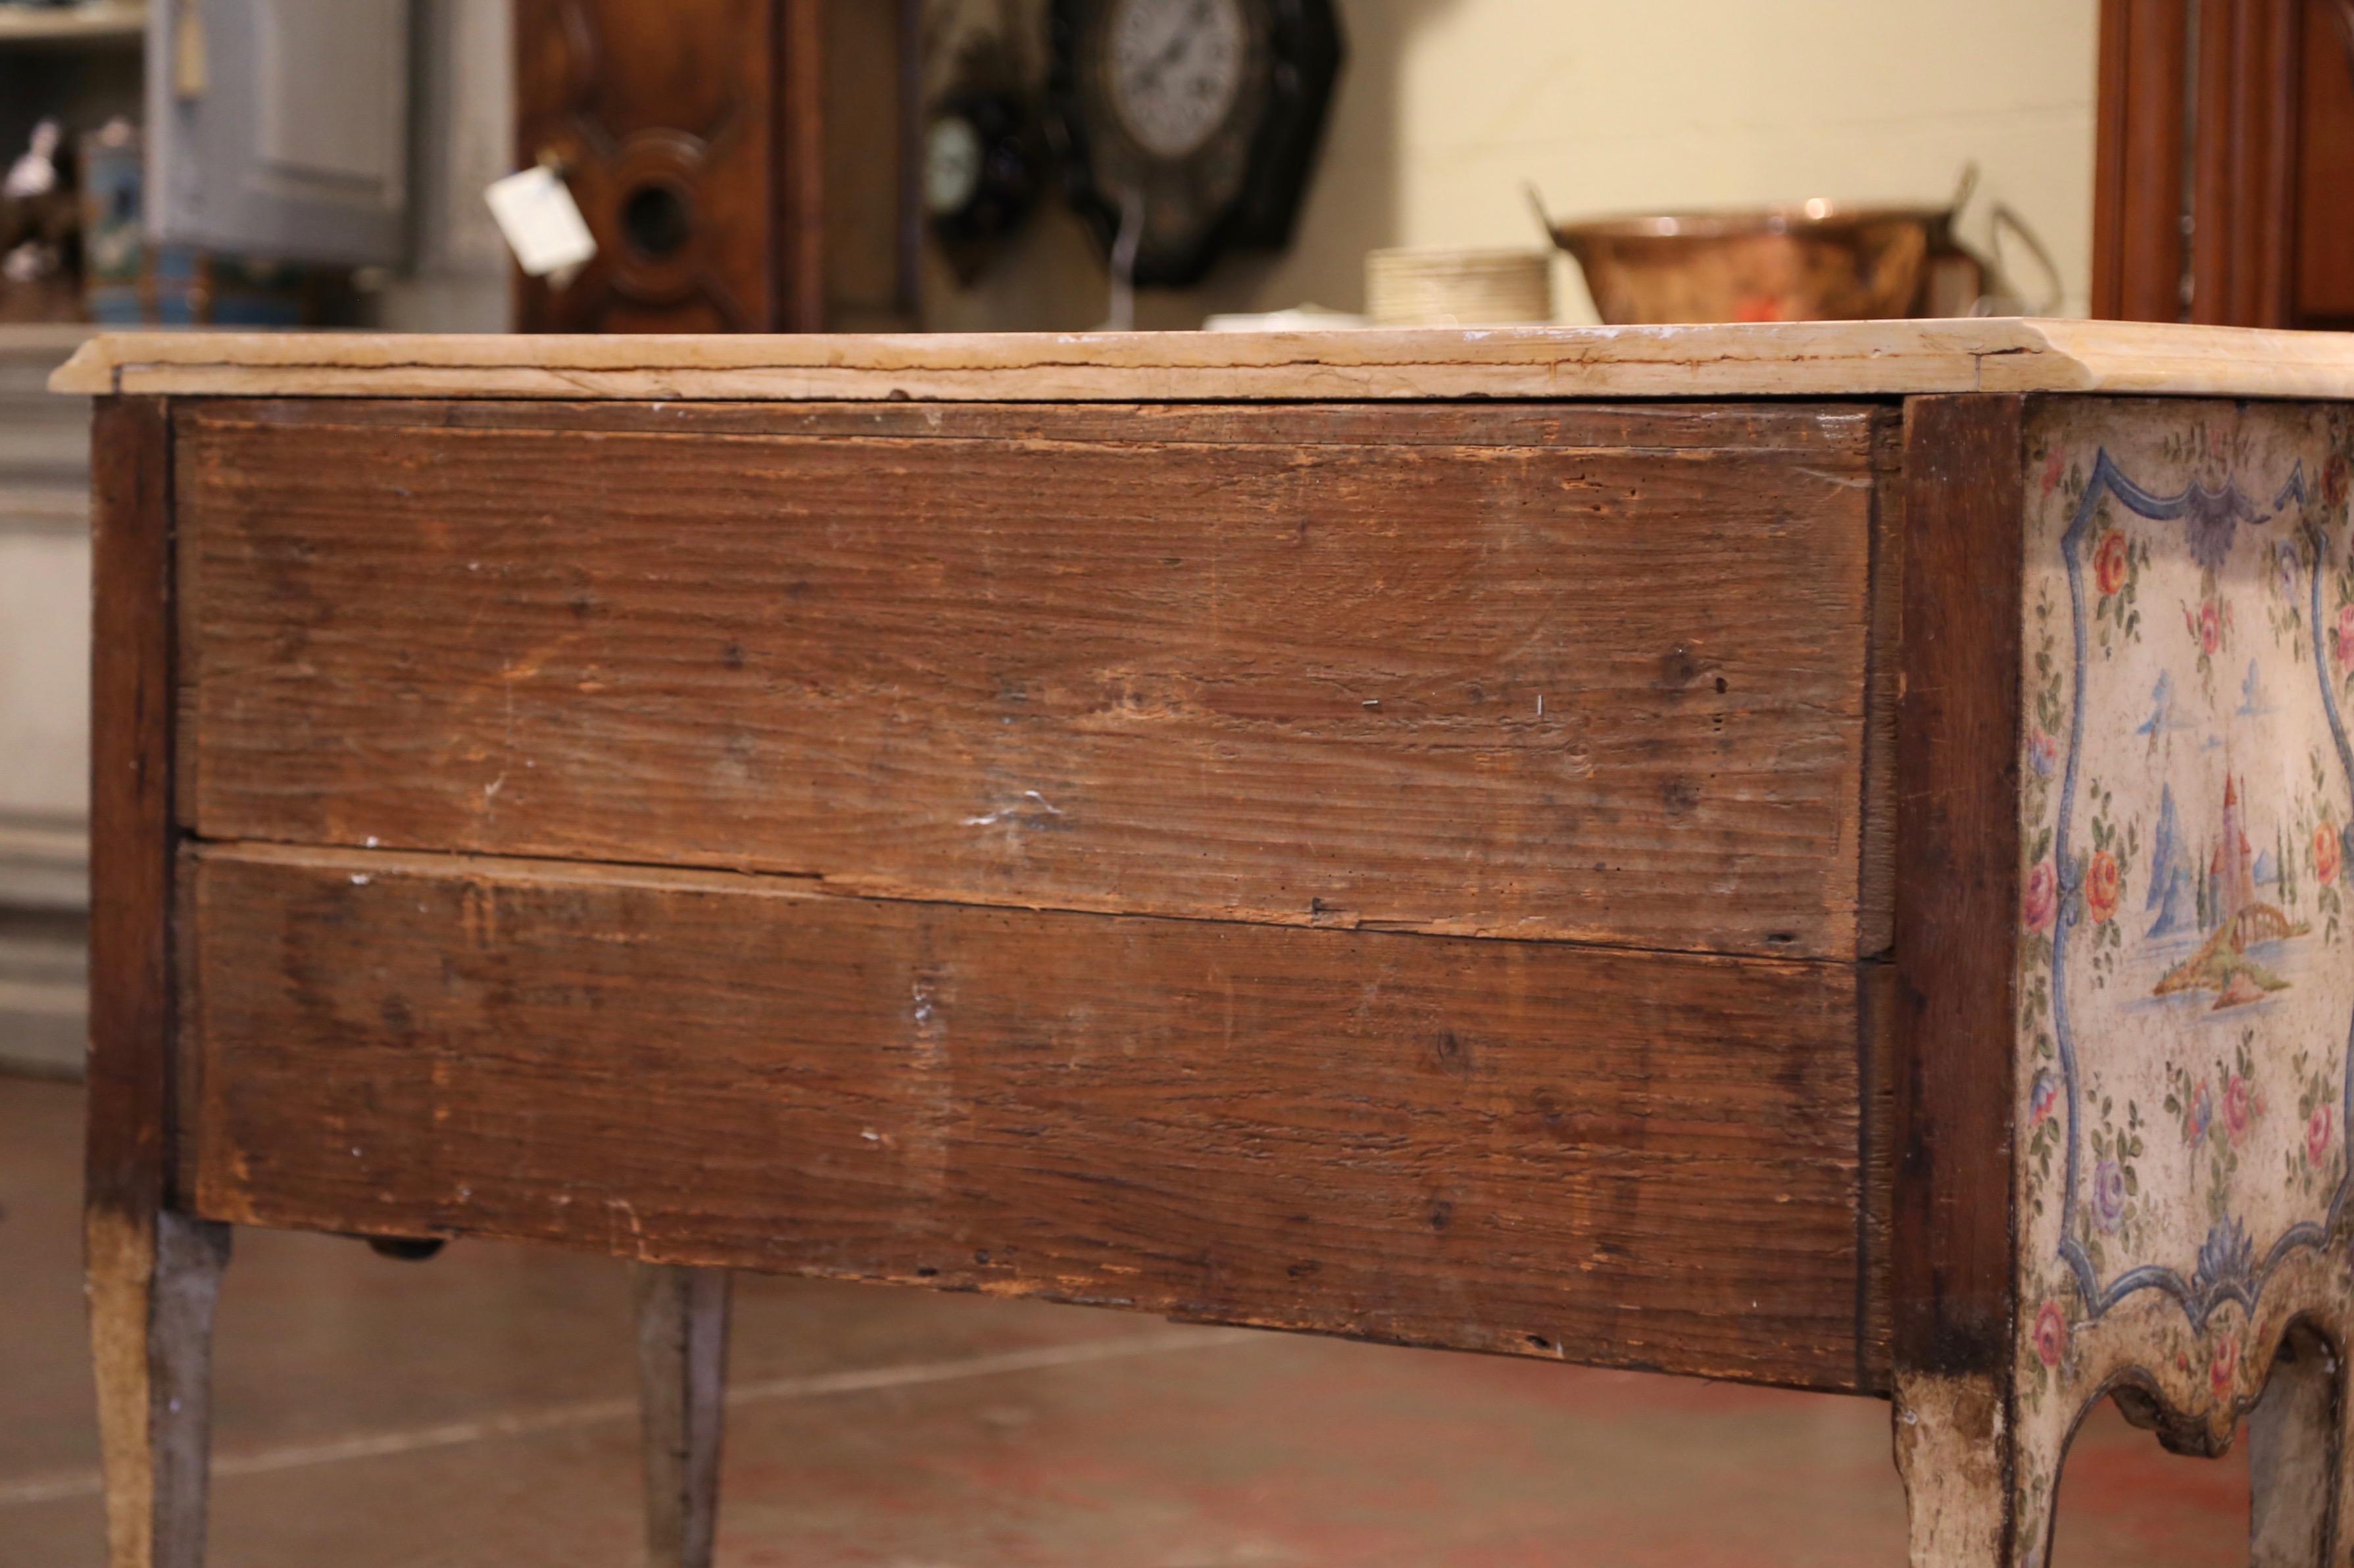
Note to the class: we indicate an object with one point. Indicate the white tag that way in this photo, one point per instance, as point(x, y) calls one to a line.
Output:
point(541, 221)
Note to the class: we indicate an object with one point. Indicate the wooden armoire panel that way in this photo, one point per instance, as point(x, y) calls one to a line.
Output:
point(2256, 97)
point(2325, 262)
point(687, 133)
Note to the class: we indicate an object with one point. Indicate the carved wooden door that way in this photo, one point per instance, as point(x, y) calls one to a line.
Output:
point(2225, 169)
point(688, 132)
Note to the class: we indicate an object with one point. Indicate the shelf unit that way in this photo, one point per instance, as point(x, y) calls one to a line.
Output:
point(119, 22)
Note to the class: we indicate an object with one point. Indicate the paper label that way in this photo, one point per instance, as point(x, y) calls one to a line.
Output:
point(541, 221)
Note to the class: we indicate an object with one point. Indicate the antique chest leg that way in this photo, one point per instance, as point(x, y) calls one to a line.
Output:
point(153, 1271)
point(151, 1308)
point(1953, 1287)
point(1958, 1454)
point(2295, 1457)
point(682, 1316)
point(2131, 972)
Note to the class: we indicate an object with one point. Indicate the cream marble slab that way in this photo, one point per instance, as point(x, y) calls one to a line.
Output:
point(1780, 359)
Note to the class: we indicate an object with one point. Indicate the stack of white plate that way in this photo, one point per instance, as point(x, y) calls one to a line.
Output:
point(1457, 288)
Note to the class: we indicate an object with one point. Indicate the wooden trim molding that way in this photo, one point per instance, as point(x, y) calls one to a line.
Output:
point(1957, 882)
point(134, 837)
point(2243, 213)
point(2137, 186)
point(799, 246)
point(154, 1272)
point(1953, 1295)
point(2195, 190)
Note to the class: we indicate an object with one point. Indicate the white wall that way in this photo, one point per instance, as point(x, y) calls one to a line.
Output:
point(1448, 106)
point(1617, 104)
point(44, 675)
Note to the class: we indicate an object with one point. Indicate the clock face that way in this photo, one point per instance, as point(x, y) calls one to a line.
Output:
point(1200, 117)
point(1177, 68)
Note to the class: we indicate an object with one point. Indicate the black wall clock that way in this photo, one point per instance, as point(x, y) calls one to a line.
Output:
point(984, 162)
point(1207, 111)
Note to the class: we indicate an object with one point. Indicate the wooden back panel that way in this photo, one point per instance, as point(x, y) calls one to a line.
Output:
point(1058, 851)
point(1584, 674)
point(1638, 1160)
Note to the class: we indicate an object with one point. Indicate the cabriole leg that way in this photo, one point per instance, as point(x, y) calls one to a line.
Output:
point(682, 1389)
point(2297, 1465)
point(1961, 1460)
point(153, 1288)
point(2125, 1025)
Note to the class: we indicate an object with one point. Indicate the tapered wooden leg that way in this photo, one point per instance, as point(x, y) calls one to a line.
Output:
point(153, 1287)
point(682, 1389)
point(1947, 1432)
point(2298, 1461)
point(1981, 1461)
point(1952, 1454)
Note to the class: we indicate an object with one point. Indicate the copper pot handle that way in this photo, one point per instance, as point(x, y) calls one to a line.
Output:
point(1544, 218)
point(1969, 184)
point(2003, 216)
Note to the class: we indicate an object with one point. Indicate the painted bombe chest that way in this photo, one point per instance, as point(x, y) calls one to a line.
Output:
point(1813, 854)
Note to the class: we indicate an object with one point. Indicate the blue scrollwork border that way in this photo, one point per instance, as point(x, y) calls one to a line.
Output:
point(2228, 1267)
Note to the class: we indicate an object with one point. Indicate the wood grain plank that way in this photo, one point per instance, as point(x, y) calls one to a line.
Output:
point(1953, 1284)
point(1635, 1159)
point(1602, 693)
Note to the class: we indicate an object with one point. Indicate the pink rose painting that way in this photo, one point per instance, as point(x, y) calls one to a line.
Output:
point(2224, 1365)
point(2197, 1113)
point(2318, 1132)
point(2208, 626)
point(2239, 1106)
point(2041, 898)
point(2051, 1334)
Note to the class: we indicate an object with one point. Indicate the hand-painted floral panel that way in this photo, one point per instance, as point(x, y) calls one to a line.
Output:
point(2186, 977)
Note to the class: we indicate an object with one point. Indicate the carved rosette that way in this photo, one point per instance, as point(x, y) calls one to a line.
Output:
point(2186, 951)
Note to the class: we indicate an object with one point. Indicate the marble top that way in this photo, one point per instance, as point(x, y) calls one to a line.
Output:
point(1811, 359)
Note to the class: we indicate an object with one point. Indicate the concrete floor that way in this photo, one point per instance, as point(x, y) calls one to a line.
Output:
point(476, 1411)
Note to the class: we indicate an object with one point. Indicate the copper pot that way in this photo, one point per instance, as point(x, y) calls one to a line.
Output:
point(1818, 262)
